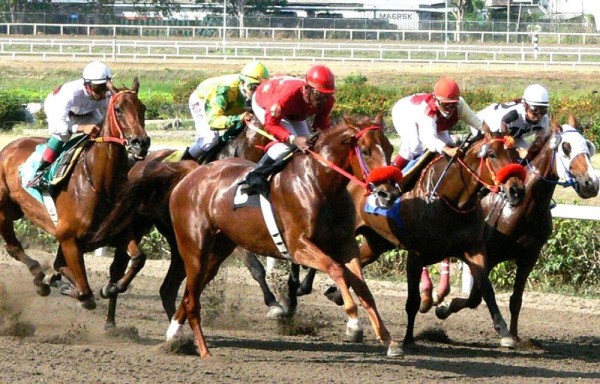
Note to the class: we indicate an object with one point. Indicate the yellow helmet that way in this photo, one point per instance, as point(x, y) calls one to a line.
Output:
point(254, 73)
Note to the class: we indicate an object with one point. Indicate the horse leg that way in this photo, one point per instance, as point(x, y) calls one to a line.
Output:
point(425, 289)
point(306, 285)
point(414, 270)
point(258, 273)
point(443, 288)
point(524, 268)
point(480, 274)
point(172, 281)
point(137, 260)
point(75, 271)
point(110, 290)
point(15, 250)
point(311, 256)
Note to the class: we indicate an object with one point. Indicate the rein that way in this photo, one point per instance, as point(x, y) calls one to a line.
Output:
point(115, 134)
point(356, 152)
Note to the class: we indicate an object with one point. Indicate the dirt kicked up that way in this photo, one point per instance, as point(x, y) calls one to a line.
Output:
point(54, 340)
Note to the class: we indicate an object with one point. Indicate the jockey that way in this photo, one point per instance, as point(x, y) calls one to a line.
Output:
point(77, 106)
point(283, 104)
point(220, 104)
point(423, 121)
point(521, 118)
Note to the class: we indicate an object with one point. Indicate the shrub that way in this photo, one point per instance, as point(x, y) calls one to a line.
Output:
point(11, 110)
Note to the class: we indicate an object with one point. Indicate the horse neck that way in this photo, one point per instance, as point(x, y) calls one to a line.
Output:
point(542, 178)
point(458, 188)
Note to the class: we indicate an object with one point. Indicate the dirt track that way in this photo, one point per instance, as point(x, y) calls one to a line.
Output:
point(68, 344)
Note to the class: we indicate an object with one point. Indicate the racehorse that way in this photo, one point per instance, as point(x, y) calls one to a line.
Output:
point(314, 213)
point(144, 203)
point(519, 232)
point(82, 201)
point(440, 215)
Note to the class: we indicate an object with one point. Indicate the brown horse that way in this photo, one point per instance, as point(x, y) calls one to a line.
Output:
point(83, 200)
point(314, 213)
point(519, 232)
point(144, 203)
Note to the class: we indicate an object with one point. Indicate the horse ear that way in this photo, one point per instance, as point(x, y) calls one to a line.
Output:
point(347, 119)
point(556, 127)
point(136, 85)
point(379, 118)
point(573, 121)
point(110, 86)
point(485, 128)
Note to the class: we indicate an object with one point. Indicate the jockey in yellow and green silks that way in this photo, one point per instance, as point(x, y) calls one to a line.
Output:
point(222, 106)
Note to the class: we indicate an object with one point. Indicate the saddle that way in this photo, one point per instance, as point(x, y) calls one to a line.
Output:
point(412, 170)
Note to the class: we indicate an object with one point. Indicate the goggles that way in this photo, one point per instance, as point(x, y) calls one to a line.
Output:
point(252, 86)
point(99, 88)
point(320, 96)
point(446, 106)
point(537, 110)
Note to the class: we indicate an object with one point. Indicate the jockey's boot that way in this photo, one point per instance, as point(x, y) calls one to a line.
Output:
point(187, 155)
point(400, 162)
point(198, 155)
point(38, 181)
point(257, 179)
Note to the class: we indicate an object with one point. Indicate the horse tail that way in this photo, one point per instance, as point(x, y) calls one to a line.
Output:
point(143, 199)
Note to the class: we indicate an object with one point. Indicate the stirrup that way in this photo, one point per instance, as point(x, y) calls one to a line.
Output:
point(38, 182)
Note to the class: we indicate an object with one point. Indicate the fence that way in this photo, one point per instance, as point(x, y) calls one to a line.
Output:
point(298, 33)
point(194, 51)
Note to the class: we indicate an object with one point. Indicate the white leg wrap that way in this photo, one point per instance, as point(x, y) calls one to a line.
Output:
point(354, 324)
point(175, 330)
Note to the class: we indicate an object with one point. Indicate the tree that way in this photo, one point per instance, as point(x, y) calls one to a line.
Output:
point(462, 8)
point(240, 8)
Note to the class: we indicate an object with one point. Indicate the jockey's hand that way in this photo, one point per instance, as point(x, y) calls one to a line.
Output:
point(450, 151)
point(246, 117)
point(301, 143)
point(89, 129)
point(522, 152)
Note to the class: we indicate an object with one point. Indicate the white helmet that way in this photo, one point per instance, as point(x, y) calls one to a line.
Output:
point(96, 73)
point(536, 95)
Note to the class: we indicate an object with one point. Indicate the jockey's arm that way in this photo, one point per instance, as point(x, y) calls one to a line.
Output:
point(217, 115)
point(273, 117)
point(466, 114)
point(429, 136)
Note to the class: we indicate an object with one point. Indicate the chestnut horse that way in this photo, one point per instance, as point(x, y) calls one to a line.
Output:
point(315, 215)
point(83, 200)
point(144, 203)
point(520, 232)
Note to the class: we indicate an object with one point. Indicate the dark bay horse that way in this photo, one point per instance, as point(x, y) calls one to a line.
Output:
point(81, 202)
point(519, 232)
point(314, 212)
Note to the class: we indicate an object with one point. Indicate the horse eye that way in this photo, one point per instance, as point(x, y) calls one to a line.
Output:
point(118, 109)
point(365, 151)
point(492, 155)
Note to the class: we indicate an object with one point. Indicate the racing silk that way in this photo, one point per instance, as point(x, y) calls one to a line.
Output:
point(282, 98)
point(421, 125)
point(224, 103)
point(513, 114)
point(72, 100)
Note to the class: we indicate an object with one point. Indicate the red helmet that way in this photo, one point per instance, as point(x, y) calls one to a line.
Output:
point(446, 90)
point(321, 78)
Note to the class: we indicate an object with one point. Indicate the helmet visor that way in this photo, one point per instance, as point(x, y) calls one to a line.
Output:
point(446, 106)
point(537, 110)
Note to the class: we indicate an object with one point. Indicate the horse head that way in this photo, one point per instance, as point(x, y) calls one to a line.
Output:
point(369, 150)
point(573, 153)
point(125, 120)
point(494, 158)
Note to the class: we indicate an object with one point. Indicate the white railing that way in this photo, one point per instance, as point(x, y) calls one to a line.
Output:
point(276, 33)
point(193, 51)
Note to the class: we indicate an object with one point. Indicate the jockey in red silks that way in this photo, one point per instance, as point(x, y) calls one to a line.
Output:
point(283, 104)
point(423, 122)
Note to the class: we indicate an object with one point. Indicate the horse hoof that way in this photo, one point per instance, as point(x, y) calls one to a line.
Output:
point(508, 342)
point(41, 288)
point(442, 312)
point(426, 304)
point(394, 350)
point(88, 304)
point(333, 294)
point(109, 326)
point(354, 335)
point(276, 312)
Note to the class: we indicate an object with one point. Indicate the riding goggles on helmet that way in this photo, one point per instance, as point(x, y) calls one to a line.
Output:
point(537, 110)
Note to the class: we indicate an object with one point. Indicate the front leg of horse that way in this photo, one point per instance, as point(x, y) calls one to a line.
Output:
point(257, 271)
point(353, 275)
point(516, 299)
point(75, 272)
point(414, 270)
point(506, 339)
point(111, 290)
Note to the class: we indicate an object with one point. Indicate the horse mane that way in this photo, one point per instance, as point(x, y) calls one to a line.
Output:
point(138, 196)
